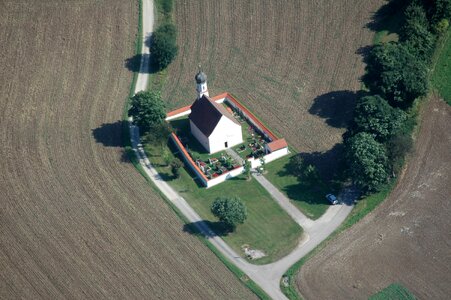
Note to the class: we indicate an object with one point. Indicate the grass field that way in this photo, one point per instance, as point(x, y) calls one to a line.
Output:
point(394, 291)
point(77, 220)
point(310, 200)
point(267, 228)
point(441, 77)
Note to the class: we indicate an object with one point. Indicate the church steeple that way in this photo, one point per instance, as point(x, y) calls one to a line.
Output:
point(201, 83)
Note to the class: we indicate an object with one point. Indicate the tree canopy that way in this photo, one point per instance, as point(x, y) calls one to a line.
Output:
point(367, 161)
point(163, 47)
point(231, 211)
point(396, 74)
point(375, 116)
point(148, 110)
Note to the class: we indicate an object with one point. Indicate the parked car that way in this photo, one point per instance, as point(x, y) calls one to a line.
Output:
point(332, 199)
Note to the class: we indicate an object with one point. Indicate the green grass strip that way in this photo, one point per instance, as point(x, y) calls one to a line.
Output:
point(441, 74)
point(394, 291)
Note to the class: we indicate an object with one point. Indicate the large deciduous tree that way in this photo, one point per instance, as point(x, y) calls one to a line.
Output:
point(148, 110)
point(231, 211)
point(367, 161)
point(396, 74)
point(374, 115)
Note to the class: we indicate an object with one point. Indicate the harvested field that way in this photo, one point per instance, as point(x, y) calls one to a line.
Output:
point(407, 239)
point(76, 219)
point(296, 65)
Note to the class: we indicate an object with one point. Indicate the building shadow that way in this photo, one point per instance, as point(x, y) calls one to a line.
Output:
point(110, 134)
point(335, 107)
point(212, 228)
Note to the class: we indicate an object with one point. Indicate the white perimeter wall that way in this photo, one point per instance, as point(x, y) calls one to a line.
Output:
point(269, 157)
point(226, 131)
point(224, 177)
point(183, 113)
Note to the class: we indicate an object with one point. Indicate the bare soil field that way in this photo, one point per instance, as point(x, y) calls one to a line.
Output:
point(76, 219)
point(407, 239)
point(296, 63)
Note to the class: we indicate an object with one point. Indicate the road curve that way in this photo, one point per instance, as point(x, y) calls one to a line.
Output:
point(266, 276)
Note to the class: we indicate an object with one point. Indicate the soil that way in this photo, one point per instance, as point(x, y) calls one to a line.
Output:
point(76, 219)
point(296, 65)
point(407, 239)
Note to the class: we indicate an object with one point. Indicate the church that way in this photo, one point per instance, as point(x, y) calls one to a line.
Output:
point(211, 123)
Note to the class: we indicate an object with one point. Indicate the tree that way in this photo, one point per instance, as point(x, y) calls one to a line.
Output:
point(415, 33)
point(175, 167)
point(310, 174)
point(148, 110)
point(367, 161)
point(163, 47)
point(229, 210)
point(247, 169)
point(374, 115)
point(295, 165)
point(396, 74)
point(158, 134)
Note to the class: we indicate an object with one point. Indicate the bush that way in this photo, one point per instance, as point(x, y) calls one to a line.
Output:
point(175, 167)
point(230, 211)
point(164, 48)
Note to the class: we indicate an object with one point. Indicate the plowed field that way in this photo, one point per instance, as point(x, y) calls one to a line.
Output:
point(294, 63)
point(76, 219)
point(407, 239)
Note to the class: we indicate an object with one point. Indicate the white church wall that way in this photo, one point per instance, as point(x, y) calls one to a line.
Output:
point(203, 140)
point(225, 131)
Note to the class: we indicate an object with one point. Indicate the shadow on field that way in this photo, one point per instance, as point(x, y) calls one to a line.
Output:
point(217, 228)
point(133, 63)
point(336, 107)
point(381, 19)
point(110, 134)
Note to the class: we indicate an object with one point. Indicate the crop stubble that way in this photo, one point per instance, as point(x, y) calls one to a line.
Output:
point(76, 220)
point(407, 239)
point(293, 63)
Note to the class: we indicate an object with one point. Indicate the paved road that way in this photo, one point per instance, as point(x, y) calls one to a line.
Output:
point(266, 276)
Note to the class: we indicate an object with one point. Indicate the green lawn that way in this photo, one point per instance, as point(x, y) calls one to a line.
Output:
point(394, 291)
point(310, 200)
point(441, 76)
point(267, 228)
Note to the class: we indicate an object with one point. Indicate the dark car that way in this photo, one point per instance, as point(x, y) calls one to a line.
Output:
point(332, 199)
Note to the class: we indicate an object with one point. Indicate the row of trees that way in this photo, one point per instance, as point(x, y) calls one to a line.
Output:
point(396, 75)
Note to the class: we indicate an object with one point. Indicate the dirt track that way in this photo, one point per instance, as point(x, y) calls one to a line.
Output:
point(76, 219)
point(407, 239)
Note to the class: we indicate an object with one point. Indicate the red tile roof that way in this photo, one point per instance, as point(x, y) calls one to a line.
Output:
point(277, 145)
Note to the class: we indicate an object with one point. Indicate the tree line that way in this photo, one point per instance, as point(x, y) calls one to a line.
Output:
point(396, 75)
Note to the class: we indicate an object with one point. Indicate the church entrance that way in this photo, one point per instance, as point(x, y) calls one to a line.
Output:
point(226, 144)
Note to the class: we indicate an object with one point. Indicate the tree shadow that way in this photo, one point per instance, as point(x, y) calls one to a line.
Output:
point(378, 20)
point(313, 195)
point(211, 229)
point(329, 164)
point(110, 134)
point(133, 64)
point(336, 107)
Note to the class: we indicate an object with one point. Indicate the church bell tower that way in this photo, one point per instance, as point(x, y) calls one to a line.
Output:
point(201, 84)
